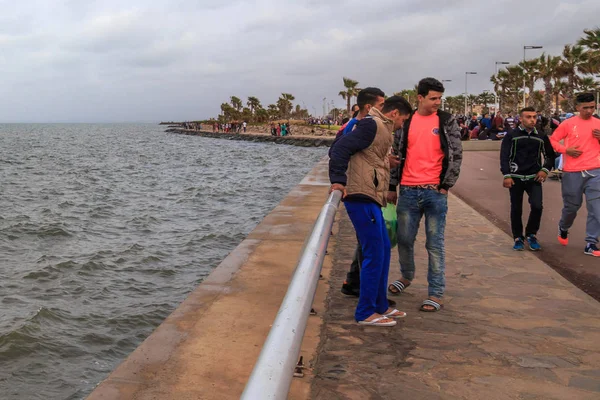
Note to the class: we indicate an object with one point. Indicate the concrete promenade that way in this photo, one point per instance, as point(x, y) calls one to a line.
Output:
point(480, 185)
point(512, 328)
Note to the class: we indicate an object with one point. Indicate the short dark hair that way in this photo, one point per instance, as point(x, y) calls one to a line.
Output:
point(585, 98)
point(397, 103)
point(526, 109)
point(368, 96)
point(427, 85)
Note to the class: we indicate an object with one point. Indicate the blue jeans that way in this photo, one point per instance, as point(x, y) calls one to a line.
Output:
point(412, 204)
point(574, 186)
point(368, 222)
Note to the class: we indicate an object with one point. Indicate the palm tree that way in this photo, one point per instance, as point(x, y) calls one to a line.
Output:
point(558, 89)
point(253, 103)
point(455, 104)
point(262, 115)
point(531, 72)
point(285, 104)
point(574, 63)
point(591, 40)
point(350, 91)
point(410, 95)
point(471, 100)
point(236, 103)
point(508, 83)
point(592, 43)
point(229, 112)
point(485, 98)
point(273, 111)
point(588, 84)
point(549, 70)
point(536, 100)
point(514, 81)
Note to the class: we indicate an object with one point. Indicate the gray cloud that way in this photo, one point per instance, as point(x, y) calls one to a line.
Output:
point(141, 61)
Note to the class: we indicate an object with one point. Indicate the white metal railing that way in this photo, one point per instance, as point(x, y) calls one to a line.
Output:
point(273, 372)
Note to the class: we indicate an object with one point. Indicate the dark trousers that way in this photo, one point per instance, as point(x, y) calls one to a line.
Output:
point(353, 276)
point(534, 192)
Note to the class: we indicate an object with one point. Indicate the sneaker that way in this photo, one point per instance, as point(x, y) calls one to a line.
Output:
point(592, 250)
point(533, 243)
point(519, 245)
point(563, 236)
point(349, 290)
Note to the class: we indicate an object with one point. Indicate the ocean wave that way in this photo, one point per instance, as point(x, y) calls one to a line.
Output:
point(106, 229)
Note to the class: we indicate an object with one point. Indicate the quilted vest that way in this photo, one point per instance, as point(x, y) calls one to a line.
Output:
point(369, 170)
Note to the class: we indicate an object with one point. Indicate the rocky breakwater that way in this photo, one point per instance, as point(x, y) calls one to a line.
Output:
point(298, 138)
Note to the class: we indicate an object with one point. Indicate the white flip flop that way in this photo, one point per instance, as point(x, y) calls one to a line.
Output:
point(377, 322)
point(395, 314)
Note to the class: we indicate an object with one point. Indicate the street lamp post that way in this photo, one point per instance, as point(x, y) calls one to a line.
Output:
point(466, 92)
point(496, 104)
point(443, 98)
point(527, 48)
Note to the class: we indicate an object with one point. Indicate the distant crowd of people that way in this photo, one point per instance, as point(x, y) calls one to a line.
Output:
point(236, 127)
point(192, 125)
point(324, 121)
point(495, 126)
point(280, 129)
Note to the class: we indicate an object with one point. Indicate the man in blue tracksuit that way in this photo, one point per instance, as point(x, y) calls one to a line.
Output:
point(359, 167)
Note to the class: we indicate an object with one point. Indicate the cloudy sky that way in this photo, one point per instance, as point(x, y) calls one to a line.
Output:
point(146, 61)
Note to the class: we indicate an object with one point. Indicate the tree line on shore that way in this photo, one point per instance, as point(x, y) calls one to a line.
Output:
point(254, 112)
point(563, 76)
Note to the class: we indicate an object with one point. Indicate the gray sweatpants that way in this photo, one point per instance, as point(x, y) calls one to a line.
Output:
point(574, 186)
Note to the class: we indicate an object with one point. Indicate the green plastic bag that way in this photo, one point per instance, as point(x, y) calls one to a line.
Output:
point(391, 222)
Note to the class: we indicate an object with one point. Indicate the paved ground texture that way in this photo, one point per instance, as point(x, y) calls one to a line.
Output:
point(480, 185)
point(512, 328)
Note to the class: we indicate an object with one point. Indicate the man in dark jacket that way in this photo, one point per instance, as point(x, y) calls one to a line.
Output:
point(526, 158)
point(430, 153)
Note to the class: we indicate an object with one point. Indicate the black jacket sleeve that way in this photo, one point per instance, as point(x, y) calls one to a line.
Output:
point(549, 155)
point(505, 154)
point(347, 145)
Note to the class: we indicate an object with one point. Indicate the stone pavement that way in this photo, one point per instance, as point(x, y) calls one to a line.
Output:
point(480, 186)
point(512, 328)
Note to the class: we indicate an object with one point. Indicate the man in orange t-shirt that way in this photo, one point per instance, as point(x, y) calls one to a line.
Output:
point(581, 171)
point(430, 151)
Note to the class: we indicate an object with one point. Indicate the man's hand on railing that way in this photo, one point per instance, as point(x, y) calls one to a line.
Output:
point(340, 187)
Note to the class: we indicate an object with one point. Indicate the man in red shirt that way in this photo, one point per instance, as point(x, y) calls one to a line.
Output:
point(581, 171)
point(430, 157)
